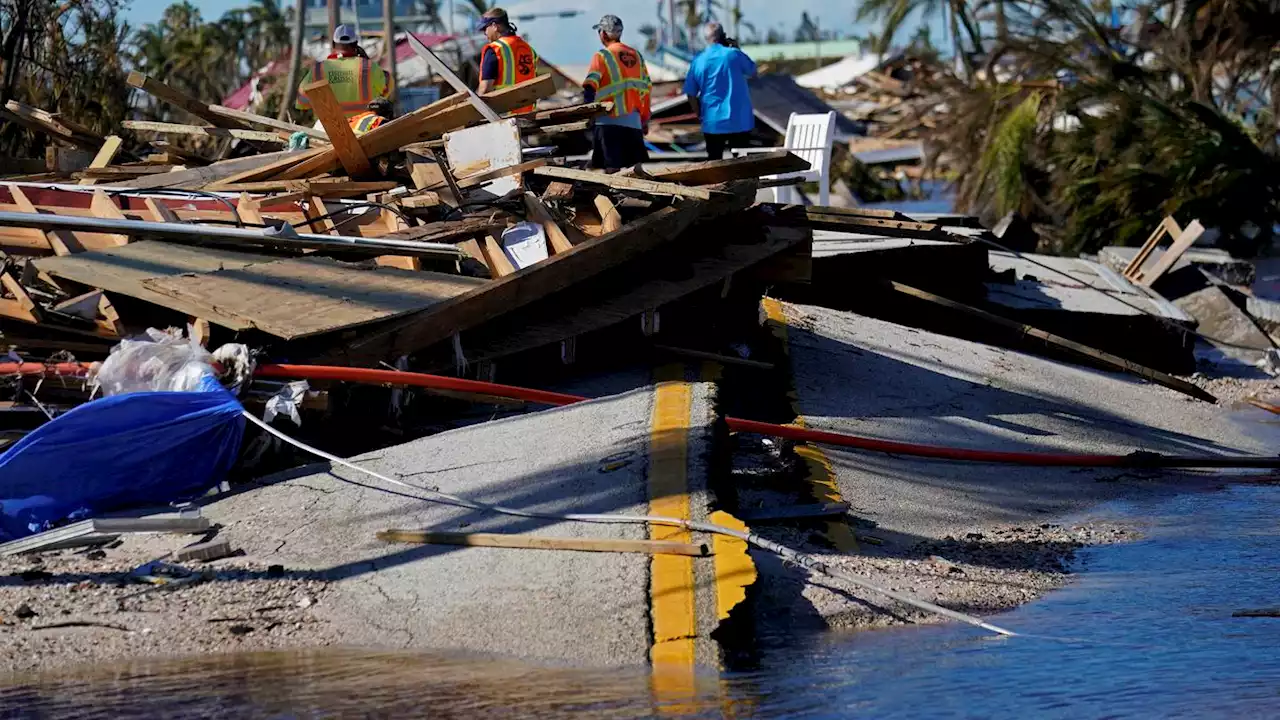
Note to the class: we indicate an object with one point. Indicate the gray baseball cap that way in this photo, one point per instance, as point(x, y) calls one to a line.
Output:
point(345, 34)
point(611, 24)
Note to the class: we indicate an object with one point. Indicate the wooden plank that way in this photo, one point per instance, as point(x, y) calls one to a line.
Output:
point(316, 211)
point(448, 231)
point(558, 190)
point(249, 210)
point(125, 171)
point(105, 155)
point(33, 238)
point(56, 127)
point(420, 200)
point(201, 131)
point(496, 258)
point(101, 205)
point(610, 220)
point(253, 119)
point(191, 105)
point(484, 177)
point(622, 182)
point(432, 120)
point(160, 212)
point(718, 171)
point(1085, 351)
point(1181, 244)
point(21, 307)
point(302, 297)
point(538, 213)
point(522, 287)
point(62, 242)
point(330, 114)
point(234, 170)
point(541, 542)
point(109, 321)
point(452, 78)
point(122, 270)
point(622, 294)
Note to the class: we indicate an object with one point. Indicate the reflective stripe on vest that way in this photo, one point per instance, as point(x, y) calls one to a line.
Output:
point(626, 92)
point(517, 62)
point(361, 124)
point(344, 86)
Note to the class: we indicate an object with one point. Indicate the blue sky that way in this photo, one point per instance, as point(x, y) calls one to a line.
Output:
point(571, 41)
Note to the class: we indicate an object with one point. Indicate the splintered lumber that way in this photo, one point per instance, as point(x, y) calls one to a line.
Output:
point(252, 119)
point(1085, 351)
point(610, 220)
point(705, 258)
point(302, 297)
point(191, 105)
point(233, 170)
point(1182, 242)
point(718, 171)
point(570, 113)
point(558, 190)
point(201, 131)
point(539, 542)
point(622, 182)
point(21, 306)
point(327, 109)
point(55, 126)
point(430, 121)
point(445, 232)
point(538, 213)
point(481, 178)
point(105, 155)
point(336, 188)
point(522, 287)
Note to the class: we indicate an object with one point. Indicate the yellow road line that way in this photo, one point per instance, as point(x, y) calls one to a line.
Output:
point(671, 585)
point(820, 475)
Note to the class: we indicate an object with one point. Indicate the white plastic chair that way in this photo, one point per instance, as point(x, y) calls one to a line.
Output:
point(810, 137)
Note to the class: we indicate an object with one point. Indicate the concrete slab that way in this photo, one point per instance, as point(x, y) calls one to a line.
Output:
point(877, 379)
point(573, 606)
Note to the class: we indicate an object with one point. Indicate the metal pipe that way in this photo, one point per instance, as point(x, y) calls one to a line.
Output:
point(284, 238)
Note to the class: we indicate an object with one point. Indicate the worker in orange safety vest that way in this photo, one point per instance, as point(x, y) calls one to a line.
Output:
point(356, 80)
point(618, 73)
point(507, 60)
point(379, 112)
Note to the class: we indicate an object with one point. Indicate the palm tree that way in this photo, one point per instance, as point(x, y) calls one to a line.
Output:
point(295, 59)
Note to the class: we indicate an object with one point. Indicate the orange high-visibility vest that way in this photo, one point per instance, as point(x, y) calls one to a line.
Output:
point(364, 122)
point(517, 62)
point(618, 73)
point(355, 81)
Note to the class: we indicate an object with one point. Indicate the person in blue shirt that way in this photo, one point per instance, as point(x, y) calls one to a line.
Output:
point(716, 86)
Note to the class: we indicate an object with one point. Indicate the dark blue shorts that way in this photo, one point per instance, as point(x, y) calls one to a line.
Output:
point(615, 147)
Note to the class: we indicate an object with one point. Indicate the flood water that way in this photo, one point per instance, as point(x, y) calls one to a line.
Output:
point(1146, 630)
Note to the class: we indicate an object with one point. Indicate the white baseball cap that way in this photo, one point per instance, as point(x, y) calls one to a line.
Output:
point(345, 34)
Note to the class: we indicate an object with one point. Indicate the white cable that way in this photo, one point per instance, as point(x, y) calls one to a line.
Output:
point(804, 560)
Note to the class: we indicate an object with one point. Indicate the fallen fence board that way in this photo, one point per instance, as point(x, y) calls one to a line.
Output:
point(122, 270)
point(301, 297)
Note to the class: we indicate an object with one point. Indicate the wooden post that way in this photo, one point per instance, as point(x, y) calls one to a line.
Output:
point(389, 45)
point(325, 105)
point(335, 13)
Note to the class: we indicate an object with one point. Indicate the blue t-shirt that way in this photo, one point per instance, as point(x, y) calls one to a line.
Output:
point(718, 78)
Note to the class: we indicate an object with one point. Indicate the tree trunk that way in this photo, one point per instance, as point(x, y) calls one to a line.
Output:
point(389, 45)
point(335, 14)
point(12, 51)
point(295, 59)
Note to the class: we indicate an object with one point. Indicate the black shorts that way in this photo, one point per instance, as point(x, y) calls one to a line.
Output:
point(717, 143)
point(615, 147)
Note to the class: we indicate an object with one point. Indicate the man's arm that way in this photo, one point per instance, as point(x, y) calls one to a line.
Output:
point(693, 88)
point(748, 66)
point(488, 70)
point(594, 75)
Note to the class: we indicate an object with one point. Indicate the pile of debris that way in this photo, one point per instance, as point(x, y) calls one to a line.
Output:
point(435, 236)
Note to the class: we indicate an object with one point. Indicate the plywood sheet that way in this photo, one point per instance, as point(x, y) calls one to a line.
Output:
point(308, 296)
point(122, 270)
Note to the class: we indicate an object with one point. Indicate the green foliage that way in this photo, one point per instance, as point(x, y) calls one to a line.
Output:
point(1005, 163)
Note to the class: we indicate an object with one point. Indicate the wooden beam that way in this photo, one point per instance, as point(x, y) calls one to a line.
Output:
point(495, 257)
point(62, 242)
point(1072, 346)
point(316, 211)
point(610, 220)
point(201, 131)
point(623, 182)
point(335, 188)
point(481, 178)
point(718, 171)
point(541, 542)
point(249, 210)
point(160, 212)
point(330, 114)
point(101, 205)
point(252, 119)
point(21, 307)
point(57, 127)
point(557, 241)
point(105, 155)
point(234, 170)
point(424, 123)
point(1182, 242)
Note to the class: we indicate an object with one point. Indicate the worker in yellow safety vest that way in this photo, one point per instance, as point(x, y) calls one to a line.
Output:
point(379, 112)
point(507, 60)
point(618, 73)
point(356, 80)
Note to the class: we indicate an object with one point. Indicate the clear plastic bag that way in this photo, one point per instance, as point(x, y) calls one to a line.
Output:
point(166, 362)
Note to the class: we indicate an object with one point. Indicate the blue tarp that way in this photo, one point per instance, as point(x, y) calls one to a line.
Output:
point(134, 449)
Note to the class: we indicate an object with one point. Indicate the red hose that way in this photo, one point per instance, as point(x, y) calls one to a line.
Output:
point(790, 432)
point(71, 369)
